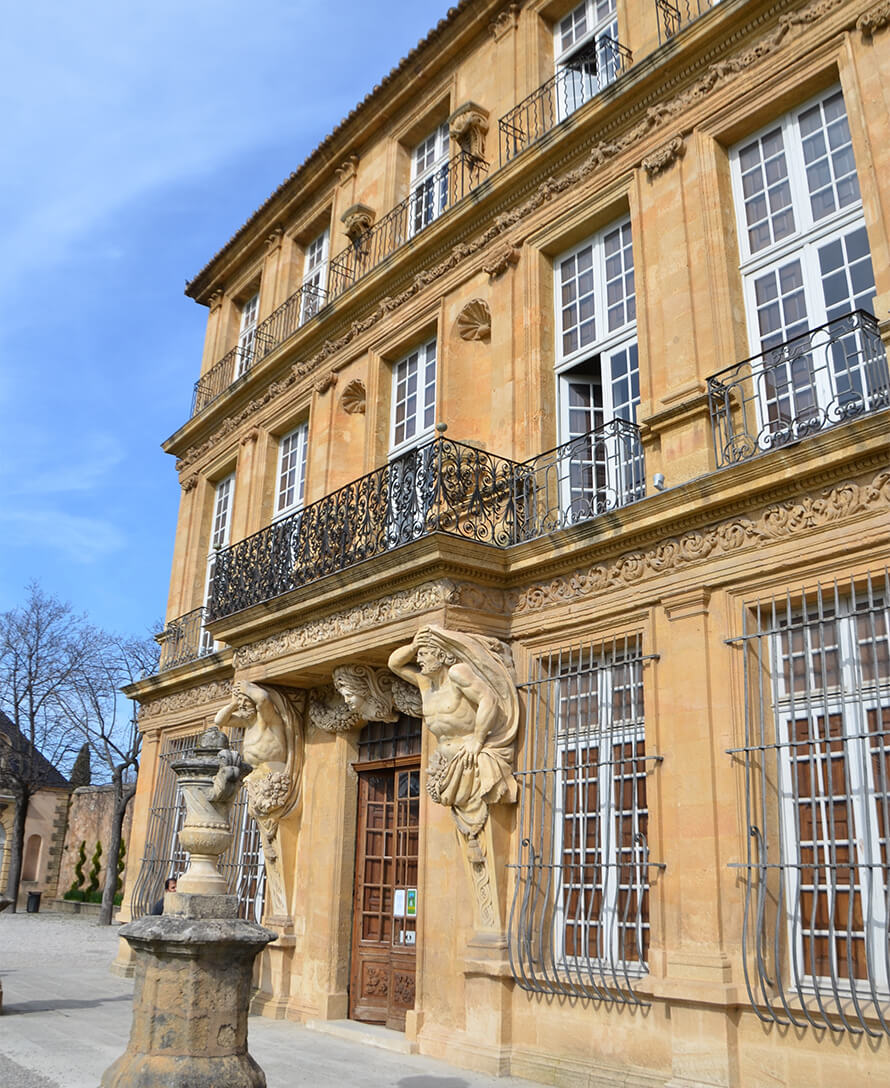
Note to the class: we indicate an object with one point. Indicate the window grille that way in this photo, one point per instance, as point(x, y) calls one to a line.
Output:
point(579, 923)
point(816, 761)
point(241, 865)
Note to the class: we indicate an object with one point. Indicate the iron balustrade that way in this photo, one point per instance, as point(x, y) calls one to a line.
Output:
point(817, 380)
point(182, 640)
point(583, 478)
point(441, 487)
point(672, 17)
point(426, 202)
point(588, 73)
point(281, 324)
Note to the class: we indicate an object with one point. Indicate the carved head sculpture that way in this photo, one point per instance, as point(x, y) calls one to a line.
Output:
point(366, 691)
point(431, 652)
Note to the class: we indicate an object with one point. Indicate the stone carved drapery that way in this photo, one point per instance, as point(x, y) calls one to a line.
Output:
point(470, 704)
point(273, 746)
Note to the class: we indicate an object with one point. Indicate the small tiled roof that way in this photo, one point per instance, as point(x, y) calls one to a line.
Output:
point(44, 772)
point(404, 63)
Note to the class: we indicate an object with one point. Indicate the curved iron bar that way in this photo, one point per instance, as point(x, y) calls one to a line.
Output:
point(824, 377)
point(181, 640)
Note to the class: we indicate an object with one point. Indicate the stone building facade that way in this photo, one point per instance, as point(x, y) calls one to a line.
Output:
point(534, 539)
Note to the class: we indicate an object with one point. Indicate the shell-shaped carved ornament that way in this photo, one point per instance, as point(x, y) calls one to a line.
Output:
point(474, 321)
point(354, 399)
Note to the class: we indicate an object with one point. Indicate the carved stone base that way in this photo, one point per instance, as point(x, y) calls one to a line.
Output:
point(193, 971)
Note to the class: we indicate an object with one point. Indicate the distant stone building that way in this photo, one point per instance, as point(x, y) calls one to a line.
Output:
point(547, 403)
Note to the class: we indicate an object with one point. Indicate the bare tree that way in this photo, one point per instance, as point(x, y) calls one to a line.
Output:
point(103, 719)
point(44, 645)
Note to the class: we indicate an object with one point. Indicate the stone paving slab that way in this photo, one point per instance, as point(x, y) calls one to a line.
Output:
point(66, 1018)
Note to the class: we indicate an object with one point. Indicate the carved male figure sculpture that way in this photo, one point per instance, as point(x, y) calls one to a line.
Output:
point(471, 706)
point(273, 747)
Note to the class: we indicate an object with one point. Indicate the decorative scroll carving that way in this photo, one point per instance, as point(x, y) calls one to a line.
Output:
point(874, 20)
point(274, 240)
point(468, 126)
point(250, 436)
point(347, 170)
point(357, 220)
point(326, 382)
point(775, 523)
point(376, 981)
point(504, 22)
point(717, 75)
point(403, 989)
point(185, 700)
point(665, 157)
point(216, 298)
point(470, 705)
point(503, 257)
point(406, 698)
point(354, 399)
point(273, 746)
point(329, 712)
point(408, 602)
point(474, 321)
point(190, 482)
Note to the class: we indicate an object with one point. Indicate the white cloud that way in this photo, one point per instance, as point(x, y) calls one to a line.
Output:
point(42, 467)
point(75, 537)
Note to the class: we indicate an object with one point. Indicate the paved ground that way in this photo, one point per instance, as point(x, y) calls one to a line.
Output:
point(66, 1018)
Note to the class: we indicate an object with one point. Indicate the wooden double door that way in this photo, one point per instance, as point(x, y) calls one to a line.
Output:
point(384, 930)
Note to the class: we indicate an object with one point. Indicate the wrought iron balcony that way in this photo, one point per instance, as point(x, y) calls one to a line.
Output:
point(427, 201)
point(817, 380)
point(600, 63)
point(441, 487)
point(672, 17)
point(184, 639)
point(282, 323)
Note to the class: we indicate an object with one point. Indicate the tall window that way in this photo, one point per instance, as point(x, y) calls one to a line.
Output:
point(585, 44)
point(429, 179)
point(414, 397)
point(291, 470)
point(247, 336)
point(220, 535)
point(817, 759)
point(580, 921)
point(805, 265)
point(315, 277)
point(598, 374)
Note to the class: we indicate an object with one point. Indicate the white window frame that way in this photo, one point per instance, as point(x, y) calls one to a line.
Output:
point(613, 355)
point(247, 335)
point(315, 276)
point(604, 735)
point(850, 701)
point(290, 473)
point(789, 386)
point(220, 536)
point(585, 24)
point(424, 359)
point(429, 192)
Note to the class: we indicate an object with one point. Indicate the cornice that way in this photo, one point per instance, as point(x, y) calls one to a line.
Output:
point(599, 152)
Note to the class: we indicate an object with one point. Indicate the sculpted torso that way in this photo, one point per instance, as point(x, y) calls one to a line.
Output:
point(265, 743)
point(448, 713)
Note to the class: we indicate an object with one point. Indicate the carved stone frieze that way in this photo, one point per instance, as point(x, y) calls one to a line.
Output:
point(357, 221)
point(716, 76)
point(474, 320)
point(346, 171)
point(190, 482)
point(774, 523)
point(353, 400)
point(185, 700)
point(326, 382)
point(470, 703)
point(874, 20)
point(468, 127)
point(407, 602)
point(665, 156)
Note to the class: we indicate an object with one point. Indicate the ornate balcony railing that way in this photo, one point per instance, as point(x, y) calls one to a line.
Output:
point(672, 17)
point(590, 70)
point(184, 639)
point(441, 487)
point(814, 381)
point(581, 479)
point(282, 323)
point(427, 201)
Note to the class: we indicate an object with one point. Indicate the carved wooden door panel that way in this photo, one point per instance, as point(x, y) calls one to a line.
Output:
point(385, 904)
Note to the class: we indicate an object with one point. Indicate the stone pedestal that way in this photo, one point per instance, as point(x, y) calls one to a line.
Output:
point(193, 970)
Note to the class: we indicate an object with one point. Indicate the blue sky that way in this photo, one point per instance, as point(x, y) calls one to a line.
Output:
point(137, 139)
